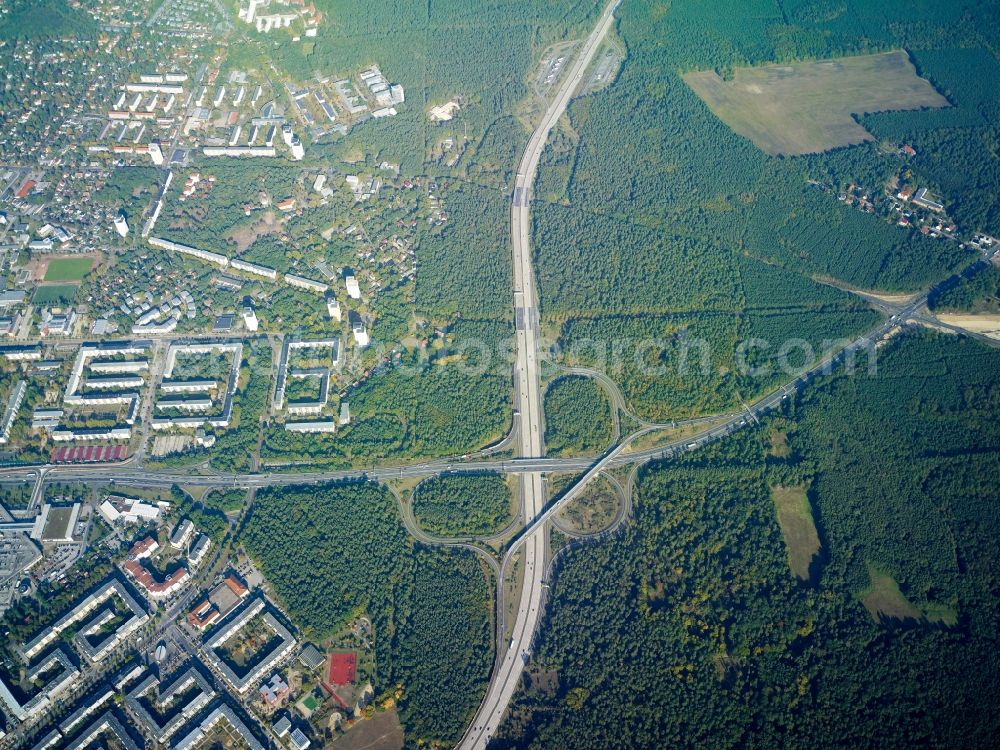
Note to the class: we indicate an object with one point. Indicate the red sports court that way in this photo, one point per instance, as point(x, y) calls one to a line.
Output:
point(342, 669)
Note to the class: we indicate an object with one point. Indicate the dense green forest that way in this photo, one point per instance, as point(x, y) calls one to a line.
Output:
point(651, 227)
point(463, 504)
point(443, 647)
point(441, 408)
point(348, 553)
point(465, 266)
point(689, 629)
point(592, 264)
point(577, 417)
point(682, 365)
point(131, 189)
point(44, 19)
point(978, 293)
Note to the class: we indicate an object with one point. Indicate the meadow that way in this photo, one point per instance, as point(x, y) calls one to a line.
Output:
point(798, 528)
point(807, 107)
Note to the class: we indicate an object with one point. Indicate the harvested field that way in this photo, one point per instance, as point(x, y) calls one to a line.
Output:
point(807, 107)
point(381, 732)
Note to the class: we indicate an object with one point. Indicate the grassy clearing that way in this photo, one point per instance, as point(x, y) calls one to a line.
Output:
point(68, 269)
point(797, 527)
point(883, 599)
point(55, 294)
point(941, 613)
point(593, 511)
point(779, 447)
point(806, 107)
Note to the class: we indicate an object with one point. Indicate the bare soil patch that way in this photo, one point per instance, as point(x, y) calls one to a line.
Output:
point(245, 236)
point(381, 732)
point(986, 324)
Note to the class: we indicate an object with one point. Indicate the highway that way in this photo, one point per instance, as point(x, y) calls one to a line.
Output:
point(511, 659)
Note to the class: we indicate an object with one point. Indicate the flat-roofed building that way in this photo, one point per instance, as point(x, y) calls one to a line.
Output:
point(353, 288)
point(182, 533)
point(14, 402)
point(11, 298)
point(56, 524)
point(84, 436)
point(199, 549)
point(303, 283)
point(20, 353)
point(319, 426)
point(243, 683)
point(55, 684)
point(190, 685)
point(117, 508)
point(187, 386)
point(85, 707)
point(106, 724)
point(222, 712)
point(90, 640)
point(253, 269)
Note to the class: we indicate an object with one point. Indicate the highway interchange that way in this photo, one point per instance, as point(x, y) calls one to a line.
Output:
point(527, 548)
point(534, 541)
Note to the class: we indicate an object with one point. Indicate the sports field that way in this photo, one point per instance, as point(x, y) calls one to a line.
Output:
point(55, 294)
point(342, 668)
point(807, 107)
point(67, 269)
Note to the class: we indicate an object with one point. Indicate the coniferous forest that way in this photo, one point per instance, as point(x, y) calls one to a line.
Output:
point(689, 629)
